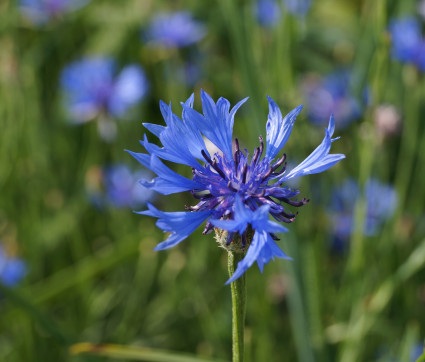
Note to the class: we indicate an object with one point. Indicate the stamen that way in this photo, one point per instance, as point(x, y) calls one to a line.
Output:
point(230, 186)
point(273, 205)
point(229, 238)
point(281, 171)
point(196, 207)
point(255, 157)
point(244, 171)
point(261, 145)
point(236, 156)
point(243, 240)
point(213, 164)
point(261, 194)
point(218, 169)
point(207, 158)
point(283, 218)
point(201, 196)
point(295, 203)
point(236, 145)
point(289, 216)
point(274, 237)
point(279, 163)
point(267, 174)
point(208, 228)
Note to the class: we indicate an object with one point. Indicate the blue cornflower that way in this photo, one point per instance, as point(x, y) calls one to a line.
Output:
point(408, 45)
point(12, 269)
point(331, 94)
point(381, 203)
point(297, 7)
point(175, 30)
point(122, 187)
point(117, 186)
point(92, 86)
point(41, 11)
point(236, 193)
point(267, 12)
point(416, 351)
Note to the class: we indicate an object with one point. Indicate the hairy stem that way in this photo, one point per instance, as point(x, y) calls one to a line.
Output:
point(238, 290)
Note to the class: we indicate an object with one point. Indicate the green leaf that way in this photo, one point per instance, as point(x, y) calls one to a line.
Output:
point(134, 353)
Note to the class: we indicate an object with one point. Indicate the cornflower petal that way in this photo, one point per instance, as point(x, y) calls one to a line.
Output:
point(190, 100)
point(269, 251)
point(155, 129)
point(242, 216)
point(217, 122)
point(319, 160)
point(230, 225)
point(176, 147)
point(278, 128)
point(180, 224)
point(130, 87)
point(168, 182)
point(143, 158)
point(181, 136)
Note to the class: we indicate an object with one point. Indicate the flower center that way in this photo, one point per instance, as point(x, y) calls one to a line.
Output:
point(248, 177)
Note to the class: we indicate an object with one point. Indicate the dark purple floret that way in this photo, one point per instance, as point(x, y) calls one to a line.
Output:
point(252, 178)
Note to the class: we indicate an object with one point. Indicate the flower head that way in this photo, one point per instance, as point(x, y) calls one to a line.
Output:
point(12, 269)
point(331, 94)
point(267, 12)
point(117, 186)
point(92, 86)
point(175, 30)
point(408, 44)
point(297, 7)
point(236, 192)
point(381, 202)
point(122, 188)
point(41, 11)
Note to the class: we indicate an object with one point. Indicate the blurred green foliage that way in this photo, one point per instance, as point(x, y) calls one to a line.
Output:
point(92, 275)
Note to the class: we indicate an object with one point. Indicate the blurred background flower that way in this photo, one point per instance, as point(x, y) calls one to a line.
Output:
point(174, 30)
point(12, 269)
point(117, 186)
point(330, 95)
point(416, 351)
point(408, 45)
point(42, 11)
point(297, 7)
point(387, 121)
point(267, 12)
point(381, 202)
point(93, 88)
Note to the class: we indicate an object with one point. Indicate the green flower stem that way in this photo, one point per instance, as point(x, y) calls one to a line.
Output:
point(238, 289)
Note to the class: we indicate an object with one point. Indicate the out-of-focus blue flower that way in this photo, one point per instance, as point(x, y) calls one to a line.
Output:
point(175, 30)
point(93, 87)
point(416, 352)
point(41, 11)
point(331, 94)
point(123, 189)
point(381, 203)
point(233, 189)
point(12, 269)
point(406, 38)
point(267, 12)
point(297, 7)
point(117, 186)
